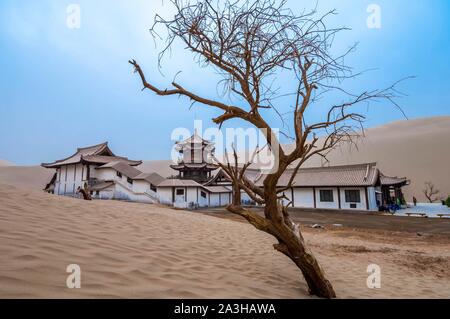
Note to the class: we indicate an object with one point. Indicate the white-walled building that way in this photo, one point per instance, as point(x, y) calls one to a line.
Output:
point(199, 183)
point(107, 176)
point(348, 187)
point(81, 168)
point(339, 187)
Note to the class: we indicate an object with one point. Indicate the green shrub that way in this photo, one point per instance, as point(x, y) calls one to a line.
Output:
point(447, 202)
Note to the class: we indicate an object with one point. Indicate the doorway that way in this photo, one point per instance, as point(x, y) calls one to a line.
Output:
point(180, 195)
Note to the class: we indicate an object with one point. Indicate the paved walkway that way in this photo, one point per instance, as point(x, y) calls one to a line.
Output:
point(431, 210)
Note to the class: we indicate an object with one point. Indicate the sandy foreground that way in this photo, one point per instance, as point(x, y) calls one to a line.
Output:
point(136, 250)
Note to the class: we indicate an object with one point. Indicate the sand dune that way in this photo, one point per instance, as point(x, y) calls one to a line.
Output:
point(138, 250)
point(162, 167)
point(5, 163)
point(418, 149)
point(27, 177)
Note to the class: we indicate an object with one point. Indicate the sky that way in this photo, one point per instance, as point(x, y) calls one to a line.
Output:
point(63, 87)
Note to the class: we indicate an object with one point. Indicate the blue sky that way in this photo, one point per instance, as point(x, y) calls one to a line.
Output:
point(61, 88)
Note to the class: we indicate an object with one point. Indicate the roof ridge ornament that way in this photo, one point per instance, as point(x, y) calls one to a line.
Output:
point(367, 172)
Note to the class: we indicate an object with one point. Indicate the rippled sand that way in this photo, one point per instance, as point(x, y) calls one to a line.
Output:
point(135, 250)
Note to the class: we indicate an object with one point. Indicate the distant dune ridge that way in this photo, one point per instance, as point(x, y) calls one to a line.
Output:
point(418, 149)
point(26, 177)
point(5, 163)
point(162, 167)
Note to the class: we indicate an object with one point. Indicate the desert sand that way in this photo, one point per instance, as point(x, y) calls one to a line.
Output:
point(5, 163)
point(27, 177)
point(138, 250)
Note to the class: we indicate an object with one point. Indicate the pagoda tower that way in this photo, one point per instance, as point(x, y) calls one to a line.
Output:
point(195, 162)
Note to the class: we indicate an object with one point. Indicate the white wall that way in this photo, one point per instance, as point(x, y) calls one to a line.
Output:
point(372, 199)
point(165, 195)
point(141, 186)
point(213, 200)
point(219, 199)
point(359, 206)
point(110, 174)
point(327, 205)
point(202, 201)
point(191, 196)
point(105, 174)
point(245, 198)
point(57, 182)
point(227, 198)
point(69, 178)
point(303, 197)
point(107, 193)
point(123, 192)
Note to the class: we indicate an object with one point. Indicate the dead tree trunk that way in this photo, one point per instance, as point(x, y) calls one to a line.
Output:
point(292, 244)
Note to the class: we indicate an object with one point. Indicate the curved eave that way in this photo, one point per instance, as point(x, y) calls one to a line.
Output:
point(55, 165)
point(203, 143)
point(402, 183)
point(84, 161)
point(46, 165)
point(133, 163)
point(99, 148)
point(187, 167)
point(129, 162)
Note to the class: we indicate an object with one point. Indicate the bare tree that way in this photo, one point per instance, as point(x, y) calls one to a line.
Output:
point(431, 192)
point(249, 43)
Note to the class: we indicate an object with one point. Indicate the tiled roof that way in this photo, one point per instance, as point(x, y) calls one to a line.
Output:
point(218, 189)
point(195, 139)
point(194, 165)
point(349, 175)
point(179, 183)
point(100, 186)
point(99, 153)
point(388, 180)
point(101, 159)
point(122, 168)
